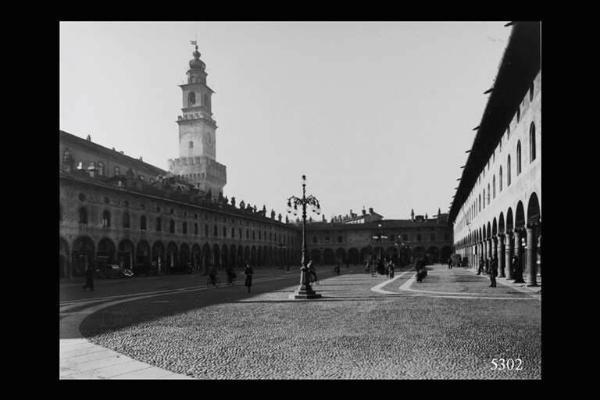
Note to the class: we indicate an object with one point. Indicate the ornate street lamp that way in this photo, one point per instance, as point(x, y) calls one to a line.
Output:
point(379, 237)
point(305, 291)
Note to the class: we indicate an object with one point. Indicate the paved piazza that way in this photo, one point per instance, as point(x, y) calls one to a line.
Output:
point(451, 326)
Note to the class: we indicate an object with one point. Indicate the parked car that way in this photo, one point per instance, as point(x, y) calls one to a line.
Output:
point(114, 271)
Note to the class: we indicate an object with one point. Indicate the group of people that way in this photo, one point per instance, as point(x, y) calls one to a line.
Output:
point(490, 267)
point(231, 275)
point(381, 266)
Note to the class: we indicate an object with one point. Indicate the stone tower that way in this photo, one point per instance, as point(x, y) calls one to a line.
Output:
point(196, 162)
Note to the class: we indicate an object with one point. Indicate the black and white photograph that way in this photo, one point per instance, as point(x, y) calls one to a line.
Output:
point(300, 200)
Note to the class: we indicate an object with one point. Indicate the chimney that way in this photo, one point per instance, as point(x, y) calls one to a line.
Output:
point(364, 212)
point(370, 210)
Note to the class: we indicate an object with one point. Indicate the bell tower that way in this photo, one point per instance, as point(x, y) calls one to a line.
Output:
point(197, 142)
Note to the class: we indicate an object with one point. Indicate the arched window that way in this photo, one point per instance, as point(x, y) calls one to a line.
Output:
point(531, 142)
point(500, 178)
point(83, 217)
point(172, 226)
point(106, 219)
point(418, 237)
point(192, 98)
point(184, 228)
point(206, 230)
point(191, 144)
point(158, 224)
point(100, 168)
point(488, 194)
point(215, 231)
point(195, 228)
point(518, 157)
point(484, 202)
point(479, 203)
point(531, 91)
point(494, 187)
point(117, 171)
point(126, 220)
point(224, 232)
point(143, 223)
point(508, 171)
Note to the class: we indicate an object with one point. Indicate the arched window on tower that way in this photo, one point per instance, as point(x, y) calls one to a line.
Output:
point(83, 217)
point(508, 171)
point(500, 179)
point(106, 219)
point(531, 142)
point(206, 101)
point(191, 99)
point(518, 157)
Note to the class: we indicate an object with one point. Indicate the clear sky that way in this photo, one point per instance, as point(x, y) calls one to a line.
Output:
point(376, 114)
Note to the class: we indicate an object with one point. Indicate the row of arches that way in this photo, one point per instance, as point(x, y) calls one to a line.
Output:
point(163, 258)
point(399, 255)
point(514, 233)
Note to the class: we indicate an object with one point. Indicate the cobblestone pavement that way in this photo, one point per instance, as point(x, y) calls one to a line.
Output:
point(352, 333)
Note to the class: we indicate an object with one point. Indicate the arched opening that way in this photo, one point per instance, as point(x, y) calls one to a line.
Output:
point(158, 257)
point(106, 219)
point(82, 256)
point(125, 254)
point(534, 219)
point(419, 252)
point(233, 262)
point(216, 259)
point(518, 157)
point(171, 258)
point(340, 256)
point(184, 258)
point(142, 258)
point(259, 256)
point(445, 252)
point(366, 254)
point(105, 255)
point(315, 256)
point(206, 257)
point(224, 256)
point(353, 256)
point(433, 253)
point(196, 258)
point(253, 256)
point(83, 216)
point(328, 257)
point(247, 255)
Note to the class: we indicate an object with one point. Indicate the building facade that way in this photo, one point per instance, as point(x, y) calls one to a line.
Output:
point(399, 240)
point(496, 211)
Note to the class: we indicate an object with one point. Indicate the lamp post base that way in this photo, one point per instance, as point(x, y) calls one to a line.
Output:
point(303, 293)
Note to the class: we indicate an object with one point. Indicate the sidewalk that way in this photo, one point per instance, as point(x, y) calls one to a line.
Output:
point(511, 283)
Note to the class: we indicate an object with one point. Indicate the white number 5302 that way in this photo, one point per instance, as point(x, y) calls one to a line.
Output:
point(509, 364)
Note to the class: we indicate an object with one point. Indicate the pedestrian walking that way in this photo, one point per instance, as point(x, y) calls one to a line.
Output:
point(518, 268)
point(481, 264)
point(391, 270)
point(337, 268)
point(312, 272)
point(493, 271)
point(89, 278)
point(212, 275)
point(248, 271)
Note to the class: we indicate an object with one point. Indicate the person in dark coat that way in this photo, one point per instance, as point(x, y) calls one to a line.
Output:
point(450, 263)
point(337, 268)
point(493, 271)
point(391, 269)
point(518, 268)
point(89, 278)
point(212, 275)
point(312, 272)
point(248, 271)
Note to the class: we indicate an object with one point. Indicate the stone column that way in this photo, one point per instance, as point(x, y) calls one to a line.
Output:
point(501, 253)
point(530, 266)
point(508, 262)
